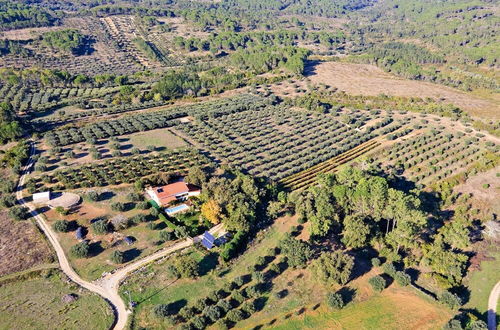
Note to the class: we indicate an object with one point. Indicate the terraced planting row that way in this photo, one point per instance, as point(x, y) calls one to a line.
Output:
point(107, 57)
point(277, 142)
point(306, 178)
point(433, 156)
point(49, 122)
point(122, 170)
point(151, 120)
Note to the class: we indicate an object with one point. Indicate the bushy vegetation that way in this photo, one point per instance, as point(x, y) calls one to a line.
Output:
point(69, 40)
point(378, 283)
point(16, 15)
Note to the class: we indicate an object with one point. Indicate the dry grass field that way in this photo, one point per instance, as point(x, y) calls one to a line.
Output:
point(364, 79)
point(36, 304)
point(21, 246)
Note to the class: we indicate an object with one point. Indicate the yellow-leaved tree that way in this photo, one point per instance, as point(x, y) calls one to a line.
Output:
point(212, 211)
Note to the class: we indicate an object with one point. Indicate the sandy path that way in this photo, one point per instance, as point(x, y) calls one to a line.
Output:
point(492, 307)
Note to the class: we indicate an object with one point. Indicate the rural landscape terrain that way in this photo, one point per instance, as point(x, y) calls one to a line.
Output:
point(250, 164)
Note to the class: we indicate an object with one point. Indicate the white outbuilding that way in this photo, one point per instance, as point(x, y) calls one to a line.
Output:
point(41, 197)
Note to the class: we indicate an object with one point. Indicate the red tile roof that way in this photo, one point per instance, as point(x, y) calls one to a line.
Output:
point(167, 193)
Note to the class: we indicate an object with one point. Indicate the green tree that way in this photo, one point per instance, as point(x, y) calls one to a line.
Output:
point(334, 300)
point(61, 226)
point(118, 207)
point(389, 269)
point(80, 250)
point(197, 176)
point(100, 227)
point(186, 266)
point(402, 278)
point(297, 252)
point(450, 299)
point(378, 283)
point(333, 267)
point(117, 257)
point(19, 213)
point(356, 231)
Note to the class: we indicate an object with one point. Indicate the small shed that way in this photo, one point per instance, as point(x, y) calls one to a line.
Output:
point(41, 197)
point(207, 240)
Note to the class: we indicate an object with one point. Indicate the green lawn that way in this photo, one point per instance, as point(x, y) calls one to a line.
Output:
point(158, 138)
point(36, 304)
point(395, 308)
point(152, 287)
point(482, 281)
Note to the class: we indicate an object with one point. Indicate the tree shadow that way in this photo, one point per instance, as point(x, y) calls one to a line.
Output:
point(414, 273)
point(209, 262)
point(260, 303)
point(301, 311)
point(106, 195)
point(131, 254)
point(126, 146)
point(72, 225)
point(176, 306)
point(388, 280)
point(348, 294)
point(95, 248)
point(160, 225)
point(463, 292)
point(129, 206)
point(282, 294)
point(362, 262)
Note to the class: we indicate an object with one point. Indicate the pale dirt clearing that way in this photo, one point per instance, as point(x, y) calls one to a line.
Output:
point(489, 195)
point(365, 79)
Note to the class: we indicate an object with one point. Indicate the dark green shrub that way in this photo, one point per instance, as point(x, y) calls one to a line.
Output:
point(80, 250)
point(402, 278)
point(334, 300)
point(378, 283)
point(450, 299)
point(61, 226)
point(117, 257)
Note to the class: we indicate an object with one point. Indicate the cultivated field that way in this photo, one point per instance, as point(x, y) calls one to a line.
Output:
point(278, 141)
point(364, 79)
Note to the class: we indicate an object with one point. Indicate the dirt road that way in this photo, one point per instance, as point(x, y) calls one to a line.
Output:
point(492, 307)
point(106, 287)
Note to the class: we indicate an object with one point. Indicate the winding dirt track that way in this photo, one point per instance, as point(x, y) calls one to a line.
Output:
point(106, 287)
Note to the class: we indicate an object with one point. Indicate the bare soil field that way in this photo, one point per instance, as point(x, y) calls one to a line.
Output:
point(27, 33)
point(488, 196)
point(21, 246)
point(364, 79)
